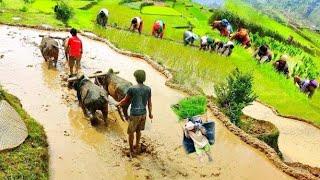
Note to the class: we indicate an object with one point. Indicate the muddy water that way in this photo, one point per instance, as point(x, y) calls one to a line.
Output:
point(80, 151)
point(298, 141)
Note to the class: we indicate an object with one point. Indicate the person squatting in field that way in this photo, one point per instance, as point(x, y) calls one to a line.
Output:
point(75, 51)
point(189, 37)
point(102, 17)
point(223, 26)
point(206, 43)
point(263, 54)
point(197, 133)
point(158, 29)
point(306, 86)
point(281, 65)
point(139, 96)
point(136, 24)
point(242, 36)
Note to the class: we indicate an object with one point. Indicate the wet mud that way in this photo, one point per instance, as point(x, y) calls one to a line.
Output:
point(81, 151)
point(298, 141)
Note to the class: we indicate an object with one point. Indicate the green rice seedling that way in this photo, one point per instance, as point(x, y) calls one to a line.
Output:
point(190, 106)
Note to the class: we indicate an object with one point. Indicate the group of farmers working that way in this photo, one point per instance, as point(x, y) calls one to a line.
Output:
point(263, 54)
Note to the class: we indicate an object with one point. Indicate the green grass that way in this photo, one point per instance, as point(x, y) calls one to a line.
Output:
point(29, 160)
point(190, 106)
point(190, 66)
point(160, 10)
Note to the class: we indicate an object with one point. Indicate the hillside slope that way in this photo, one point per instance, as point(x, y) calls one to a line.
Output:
point(303, 10)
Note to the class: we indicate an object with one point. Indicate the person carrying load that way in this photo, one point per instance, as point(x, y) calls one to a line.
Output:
point(206, 43)
point(306, 86)
point(281, 65)
point(189, 37)
point(242, 36)
point(197, 133)
point(136, 24)
point(158, 29)
point(223, 26)
point(263, 54)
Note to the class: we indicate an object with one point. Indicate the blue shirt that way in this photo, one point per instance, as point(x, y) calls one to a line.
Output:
point(139, 95)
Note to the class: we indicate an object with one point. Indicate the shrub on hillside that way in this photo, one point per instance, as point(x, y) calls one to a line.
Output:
point(29, 1)
point(63, 11)
point(236, 94)
point(24, 9)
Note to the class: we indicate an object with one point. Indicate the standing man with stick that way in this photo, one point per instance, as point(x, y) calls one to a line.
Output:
point(139, 96)
point(74, 51)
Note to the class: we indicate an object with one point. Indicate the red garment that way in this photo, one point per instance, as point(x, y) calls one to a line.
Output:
point(243, 37)
point(75, 47)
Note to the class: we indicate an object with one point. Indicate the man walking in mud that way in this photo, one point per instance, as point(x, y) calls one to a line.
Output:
point(74, 51)
point(139, 96)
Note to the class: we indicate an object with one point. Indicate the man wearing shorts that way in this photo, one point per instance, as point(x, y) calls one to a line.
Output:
point(75, 51)
point(139, 96)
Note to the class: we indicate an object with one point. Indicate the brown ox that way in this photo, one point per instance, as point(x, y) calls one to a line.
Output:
point(50, 50)
point(116, 87)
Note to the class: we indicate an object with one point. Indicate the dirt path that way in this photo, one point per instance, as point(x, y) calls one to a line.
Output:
point(80, 151)
point(298, 141)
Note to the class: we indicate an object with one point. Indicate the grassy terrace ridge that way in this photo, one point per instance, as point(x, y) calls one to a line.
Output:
point(189, 65)
point(30, 160)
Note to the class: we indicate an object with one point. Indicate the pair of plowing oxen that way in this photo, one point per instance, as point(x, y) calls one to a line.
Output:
point(93, 96)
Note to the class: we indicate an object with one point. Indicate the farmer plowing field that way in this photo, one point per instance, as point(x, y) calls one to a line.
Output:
point(158, 29)
point(74, 51)
point(138, 96)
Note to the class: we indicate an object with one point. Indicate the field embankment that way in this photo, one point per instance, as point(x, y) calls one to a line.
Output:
point(30, 160)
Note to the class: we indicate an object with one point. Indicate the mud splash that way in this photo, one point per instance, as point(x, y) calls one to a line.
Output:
point(81, 151)
point(298, 141)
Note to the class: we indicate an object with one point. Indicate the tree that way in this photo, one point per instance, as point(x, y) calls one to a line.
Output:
point(236, 94)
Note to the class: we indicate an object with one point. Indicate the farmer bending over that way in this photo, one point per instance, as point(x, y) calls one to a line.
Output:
point(189, 37)
point(263, 54)
point(281, 65)
point(242, 36)
point(139, 96)
point(223, 26)
point(307, 86)
point(136, 24)
point(75, 51)
point(206, 42)
point(201, 143)
point(158, 29)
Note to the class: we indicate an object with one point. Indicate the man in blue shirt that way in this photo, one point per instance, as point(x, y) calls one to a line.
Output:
point(139, 96)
